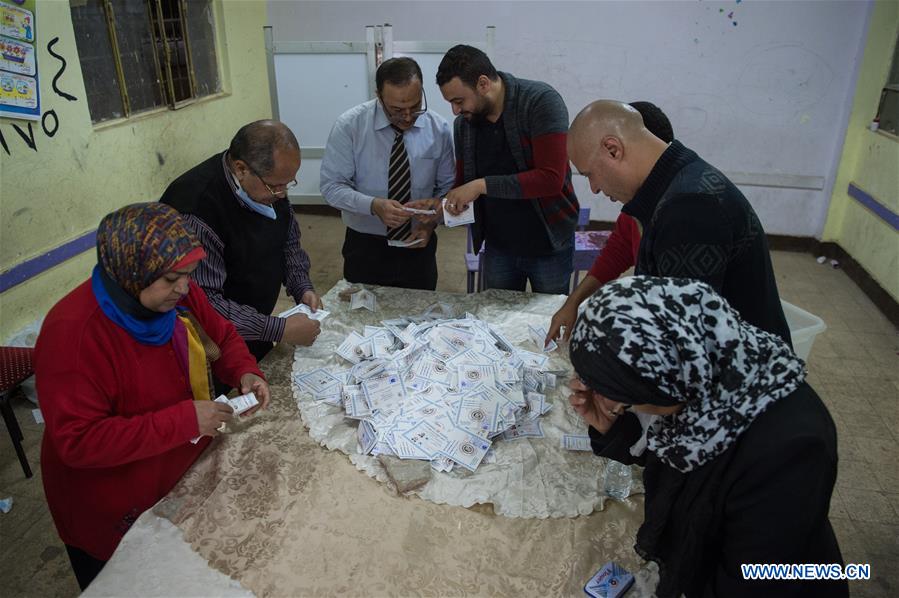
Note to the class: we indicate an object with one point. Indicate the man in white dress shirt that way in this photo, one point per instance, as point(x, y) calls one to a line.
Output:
point(382, 157)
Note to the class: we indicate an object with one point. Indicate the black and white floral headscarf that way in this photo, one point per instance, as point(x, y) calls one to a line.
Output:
point(667, 341)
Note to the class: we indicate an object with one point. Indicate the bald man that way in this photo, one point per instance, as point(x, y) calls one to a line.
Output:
point(236, 203)
point(696, 223)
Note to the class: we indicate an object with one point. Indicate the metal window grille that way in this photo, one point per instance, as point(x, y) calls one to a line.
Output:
point(139, 55)
point(888, 108)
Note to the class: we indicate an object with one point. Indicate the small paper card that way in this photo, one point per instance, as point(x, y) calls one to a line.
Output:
point(466, 217)
point(304, 309)
point(572, 442)
point(363, 298)
point(465, 448)
point(352, 348)
point(354, 402)
point(238, 404)
point(428, 439)
point(420, 212)
point(366, 436)
point(529, 429)
point(317, 382)
point(538, 335)
point(402, 243)
point(243, 403)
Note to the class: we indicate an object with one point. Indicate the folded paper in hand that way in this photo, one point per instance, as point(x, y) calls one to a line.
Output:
point(466, 217)
point(304, 309)
point(420, 212)
point(239, 404)
point(403, 243)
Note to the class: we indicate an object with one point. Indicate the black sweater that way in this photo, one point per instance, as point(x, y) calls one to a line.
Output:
point(253, 244)
point(697, 224)
point(764, 500)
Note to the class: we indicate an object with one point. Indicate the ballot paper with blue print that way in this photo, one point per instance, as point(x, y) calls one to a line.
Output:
point(435, 388)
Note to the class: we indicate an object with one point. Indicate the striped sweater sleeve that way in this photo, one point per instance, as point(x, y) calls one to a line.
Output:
point(211, 274)
point(296, 270)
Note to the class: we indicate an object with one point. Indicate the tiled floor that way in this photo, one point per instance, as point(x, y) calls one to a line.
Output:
point(854, 366)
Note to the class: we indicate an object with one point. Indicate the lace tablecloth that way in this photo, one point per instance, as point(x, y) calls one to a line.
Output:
point(531, 477)
point(268, 507)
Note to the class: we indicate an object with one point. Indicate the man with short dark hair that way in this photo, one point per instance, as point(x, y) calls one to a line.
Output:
point(383, 157)
point(236, 203)
point(510, 152)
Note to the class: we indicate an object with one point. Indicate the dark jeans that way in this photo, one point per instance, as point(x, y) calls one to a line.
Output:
point(84, 565)
point(547, 273)
point(367, 259)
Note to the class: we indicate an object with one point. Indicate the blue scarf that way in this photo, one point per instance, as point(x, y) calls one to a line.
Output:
point(145, 326)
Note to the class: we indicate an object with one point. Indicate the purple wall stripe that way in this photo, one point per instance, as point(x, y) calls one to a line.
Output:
point(36, 265)
point(886, 214)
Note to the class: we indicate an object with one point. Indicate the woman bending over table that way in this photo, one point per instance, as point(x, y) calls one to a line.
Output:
point(740, 454)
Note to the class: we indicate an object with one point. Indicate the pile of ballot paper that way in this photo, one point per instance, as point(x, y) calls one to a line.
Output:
point(436, 388)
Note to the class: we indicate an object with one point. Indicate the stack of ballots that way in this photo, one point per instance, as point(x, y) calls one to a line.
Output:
point(435, 388)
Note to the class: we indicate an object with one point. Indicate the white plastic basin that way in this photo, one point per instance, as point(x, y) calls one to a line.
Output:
point(804, 327)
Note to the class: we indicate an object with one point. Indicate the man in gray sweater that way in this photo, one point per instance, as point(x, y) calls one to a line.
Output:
point(512, 169)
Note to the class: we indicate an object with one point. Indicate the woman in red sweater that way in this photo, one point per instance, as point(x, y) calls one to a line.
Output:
point(620, 252)
point(122, 367)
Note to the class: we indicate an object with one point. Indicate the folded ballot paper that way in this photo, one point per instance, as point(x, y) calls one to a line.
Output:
point(404, 243)
point(419, 212)
point(466, 217)
point(302, 308)
point(363, 298)
point(240, 404)
point(436, 388)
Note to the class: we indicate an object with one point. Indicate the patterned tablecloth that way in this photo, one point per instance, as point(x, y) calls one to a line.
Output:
point(268, 506)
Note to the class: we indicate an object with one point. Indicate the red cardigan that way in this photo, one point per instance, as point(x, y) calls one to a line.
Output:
point(119, 416)
point(620, 252)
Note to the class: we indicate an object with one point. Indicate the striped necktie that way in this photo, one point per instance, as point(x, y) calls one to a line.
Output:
point(399, 182)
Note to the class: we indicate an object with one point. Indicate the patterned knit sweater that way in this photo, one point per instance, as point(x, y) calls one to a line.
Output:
point(697, 224)
point(536, 124)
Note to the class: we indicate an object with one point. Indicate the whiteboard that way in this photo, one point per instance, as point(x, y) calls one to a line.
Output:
point(313, 90)
point(770, 95)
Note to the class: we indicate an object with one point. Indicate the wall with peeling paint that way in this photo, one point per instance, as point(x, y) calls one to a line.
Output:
point(869, 160)
point(76, 172)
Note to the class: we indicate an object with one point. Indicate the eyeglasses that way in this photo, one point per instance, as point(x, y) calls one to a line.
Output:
point(271, 188)
point(397, 114)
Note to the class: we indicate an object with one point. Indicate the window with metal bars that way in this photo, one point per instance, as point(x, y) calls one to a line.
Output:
point(887, 118)
point(138, 55)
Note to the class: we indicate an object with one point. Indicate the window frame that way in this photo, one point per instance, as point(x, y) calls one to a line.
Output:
point(890, 89)
point(162, 46)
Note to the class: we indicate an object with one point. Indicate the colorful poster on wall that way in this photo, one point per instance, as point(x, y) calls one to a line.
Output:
point(17, 57)
point(19, 86)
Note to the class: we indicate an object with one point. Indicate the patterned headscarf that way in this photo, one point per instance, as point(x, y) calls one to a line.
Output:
point(666, 341)
point(139, 243)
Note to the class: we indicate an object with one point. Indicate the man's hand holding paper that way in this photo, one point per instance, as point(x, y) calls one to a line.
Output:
point(458, 200)
point(390, 211)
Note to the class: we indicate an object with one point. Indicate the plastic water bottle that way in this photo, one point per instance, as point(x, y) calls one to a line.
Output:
point(616, 481)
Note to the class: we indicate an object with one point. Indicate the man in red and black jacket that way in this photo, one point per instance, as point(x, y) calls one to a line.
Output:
point(510, 142)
